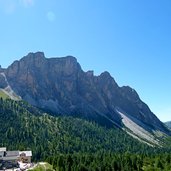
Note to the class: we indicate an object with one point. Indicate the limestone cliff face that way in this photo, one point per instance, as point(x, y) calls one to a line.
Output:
point(61, 86)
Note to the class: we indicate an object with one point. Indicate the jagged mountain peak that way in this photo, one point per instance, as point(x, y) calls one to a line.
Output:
point(69, 57)
point(34, 56)
point(130, 93)
point(31, 59)
point(107, 80)
point(37, 63)
point(38, 59)
point(105, 74)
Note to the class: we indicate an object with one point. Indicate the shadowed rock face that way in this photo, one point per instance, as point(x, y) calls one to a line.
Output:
point(61, 86)
point(168, 124)
point(3, 83)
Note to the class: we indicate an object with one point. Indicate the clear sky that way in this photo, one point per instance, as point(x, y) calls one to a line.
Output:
point(129, 38)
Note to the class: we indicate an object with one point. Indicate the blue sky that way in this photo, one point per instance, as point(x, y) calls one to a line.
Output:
point(131, 39)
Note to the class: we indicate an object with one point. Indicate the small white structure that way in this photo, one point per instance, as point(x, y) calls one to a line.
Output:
point(2, 152)
point(3, 149)
point(25, 156)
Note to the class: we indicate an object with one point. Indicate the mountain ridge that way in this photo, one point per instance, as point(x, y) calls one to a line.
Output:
point(59, 85)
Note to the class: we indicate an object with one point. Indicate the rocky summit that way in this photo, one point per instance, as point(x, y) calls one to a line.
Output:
point(60, 86)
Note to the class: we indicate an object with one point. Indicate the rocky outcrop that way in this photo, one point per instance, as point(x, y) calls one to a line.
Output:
point(168, 124)
point(60, 85)
point(3, 83)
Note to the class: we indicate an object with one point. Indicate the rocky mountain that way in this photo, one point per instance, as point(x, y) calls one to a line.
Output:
point(60, 86)
point(168, 124)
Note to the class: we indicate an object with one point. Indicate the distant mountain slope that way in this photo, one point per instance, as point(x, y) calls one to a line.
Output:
point(24, 126)
point(5, 88)
point(168, 124)
point(60, 85)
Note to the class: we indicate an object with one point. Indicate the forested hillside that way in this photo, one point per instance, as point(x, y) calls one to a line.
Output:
point(23, 126)
point(67, 142)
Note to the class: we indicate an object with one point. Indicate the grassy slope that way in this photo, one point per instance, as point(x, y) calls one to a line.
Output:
point(42, 167)
point(3, 95)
